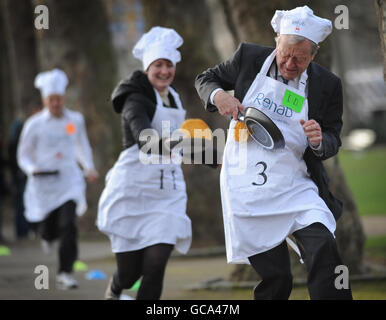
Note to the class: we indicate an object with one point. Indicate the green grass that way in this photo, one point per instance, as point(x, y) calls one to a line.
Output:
point(364, 290)
point(365, 173)
point(376, 247)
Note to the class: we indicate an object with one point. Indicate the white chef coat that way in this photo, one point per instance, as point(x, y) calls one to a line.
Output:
point(268, 194)
point(48, 143)
point(145, 203)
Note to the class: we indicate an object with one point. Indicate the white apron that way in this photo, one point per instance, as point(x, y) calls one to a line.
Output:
point(145, 204)
point(272, 195)
point(43, 194)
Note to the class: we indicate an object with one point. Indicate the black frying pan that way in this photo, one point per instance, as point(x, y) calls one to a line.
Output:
point(262, 129)
point(46, 173)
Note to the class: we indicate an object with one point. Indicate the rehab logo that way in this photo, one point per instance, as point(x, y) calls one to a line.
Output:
point(273, 106)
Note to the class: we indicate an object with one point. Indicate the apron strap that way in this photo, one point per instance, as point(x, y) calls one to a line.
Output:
point(176, 97)
point(295, 248)
point(267, 63)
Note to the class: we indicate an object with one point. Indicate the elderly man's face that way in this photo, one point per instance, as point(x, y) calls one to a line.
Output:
point(293, 59)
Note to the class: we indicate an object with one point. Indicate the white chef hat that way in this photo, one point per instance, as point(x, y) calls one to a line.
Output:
point(51, 82)
point(301, 21)
point(158, 43)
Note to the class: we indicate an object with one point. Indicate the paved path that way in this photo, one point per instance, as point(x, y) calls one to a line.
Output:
point(17, 275)
point(374, 225)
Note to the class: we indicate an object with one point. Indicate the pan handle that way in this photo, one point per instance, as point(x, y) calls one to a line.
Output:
point(240, 116)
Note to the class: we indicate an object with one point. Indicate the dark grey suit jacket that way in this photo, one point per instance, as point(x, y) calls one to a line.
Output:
point(325, 105)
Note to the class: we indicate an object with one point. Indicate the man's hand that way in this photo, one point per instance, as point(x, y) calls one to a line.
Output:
point(313, 132)
point(227, 104)
point(92, 176)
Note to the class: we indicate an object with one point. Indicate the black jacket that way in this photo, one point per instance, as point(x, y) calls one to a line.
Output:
point(135, 99)
point(325, 102)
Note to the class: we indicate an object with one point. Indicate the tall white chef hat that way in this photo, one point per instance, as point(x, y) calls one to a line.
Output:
point(158, 43)
point(51, 82)
point(301, 21)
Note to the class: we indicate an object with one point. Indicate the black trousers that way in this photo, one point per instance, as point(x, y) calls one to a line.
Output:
point(150, 263)
point(61, 224)
point(320, 254)
point(21, 224)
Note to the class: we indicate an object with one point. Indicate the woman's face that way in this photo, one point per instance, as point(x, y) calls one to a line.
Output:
point(161, 74)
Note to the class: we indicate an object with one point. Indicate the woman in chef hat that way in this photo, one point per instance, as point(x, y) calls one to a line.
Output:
point(143, 206)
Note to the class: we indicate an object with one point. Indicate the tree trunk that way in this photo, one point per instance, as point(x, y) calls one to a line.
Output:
point(22, 66)
point(6, 101)
point(349, 231)
point(252, 20)
point(78, 42)
point(381, 16)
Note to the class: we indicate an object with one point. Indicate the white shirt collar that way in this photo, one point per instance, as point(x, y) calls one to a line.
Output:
point(272, 73)
point(46, 114)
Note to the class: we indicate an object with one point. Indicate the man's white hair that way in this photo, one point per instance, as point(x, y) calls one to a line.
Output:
point(294, 39)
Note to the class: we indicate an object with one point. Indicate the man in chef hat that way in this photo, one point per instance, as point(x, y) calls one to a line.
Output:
point(282, 192)
point(52, 143)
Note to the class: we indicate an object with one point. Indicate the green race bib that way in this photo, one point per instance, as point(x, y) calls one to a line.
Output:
point(293, 101)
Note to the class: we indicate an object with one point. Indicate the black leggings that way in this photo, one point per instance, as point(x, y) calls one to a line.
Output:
point(150, 263)
point(61, 224)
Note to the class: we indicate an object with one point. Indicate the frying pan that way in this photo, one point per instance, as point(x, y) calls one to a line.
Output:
point(191, 146)
point(46, 173)
point(262, 129)
point(192, 142)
